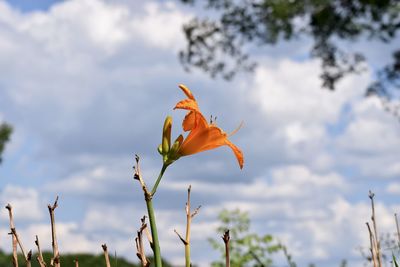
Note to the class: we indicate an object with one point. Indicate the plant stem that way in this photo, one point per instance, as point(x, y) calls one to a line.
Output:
point(188, 221)
point(164, 167)
point(152, 218)
point(226, 237)
point(154, 233)
point(106, 257)
point(187, 255)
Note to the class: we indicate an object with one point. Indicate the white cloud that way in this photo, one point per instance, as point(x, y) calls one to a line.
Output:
point(161, 25)
point(372, 130)
point(69, 236)
point(289, 182)
point(25, 203)
point(370, 140)
point(108, 218)
point(393, 188)
point(93, 22)
point(291, 92)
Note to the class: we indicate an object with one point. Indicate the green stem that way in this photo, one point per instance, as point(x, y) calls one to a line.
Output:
point(152, 218)
point(164, 167)
point(188, 223)
point(187, 255)
point(154, 233)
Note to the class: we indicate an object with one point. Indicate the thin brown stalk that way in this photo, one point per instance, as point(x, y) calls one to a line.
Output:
point(373, 218)
point(55, 261)
point(76, 263)
point(138, 176)
point(139, 244)
point(39, 257)
point(107, 258)
point(372, 243)
point(28, 257)
point(226, 239)
point(14, 240)
point(14, 232)
point(189, 217)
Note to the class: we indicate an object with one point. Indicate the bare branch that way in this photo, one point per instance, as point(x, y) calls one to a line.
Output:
point(138, 176)
point(107, 258)
point(14, 232)
point(55, 261)
point(372, 243)
point(146, 229)
point(195, 211)
point(28, 257)
point(181, 238)
point(189, 217)
point(14, 240)
point(226, 239)
point(373, 218)
point(39, 258)
point(139, 244)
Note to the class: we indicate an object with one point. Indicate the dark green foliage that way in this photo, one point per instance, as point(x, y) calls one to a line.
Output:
point(67, 260)
point(5, 132)
point(246, 248)
point(218, 45)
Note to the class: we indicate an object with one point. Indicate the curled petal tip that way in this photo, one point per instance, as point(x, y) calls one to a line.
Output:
point(186, 91)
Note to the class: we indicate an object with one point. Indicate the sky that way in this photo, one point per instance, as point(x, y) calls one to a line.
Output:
point(87, 84)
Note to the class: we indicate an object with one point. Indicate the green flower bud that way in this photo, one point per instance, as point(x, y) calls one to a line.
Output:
point(172, 154)
point(166, 137)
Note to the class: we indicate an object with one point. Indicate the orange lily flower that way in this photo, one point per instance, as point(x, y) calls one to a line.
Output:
point(202, 136)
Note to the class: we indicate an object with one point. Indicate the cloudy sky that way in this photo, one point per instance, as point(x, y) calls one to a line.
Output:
point(86, 84)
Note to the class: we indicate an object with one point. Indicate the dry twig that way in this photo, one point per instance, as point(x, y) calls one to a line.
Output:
point(14, 240)
point(55, 261)
point(28, 256)
point(137, 176)
point(139, 243)
point(372, 243)
point(373, 219)
point(107, 258)
point(39, 257)
point(189, 217)
point(226, 239)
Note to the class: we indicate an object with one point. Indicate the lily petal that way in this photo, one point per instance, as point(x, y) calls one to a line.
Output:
point(187, 92)
point(189, 122)
point(187, 104)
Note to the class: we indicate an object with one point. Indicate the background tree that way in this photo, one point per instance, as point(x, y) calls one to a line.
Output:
point(246, 248)
point(218, 45)
point(67, 260)
point(5, 133)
